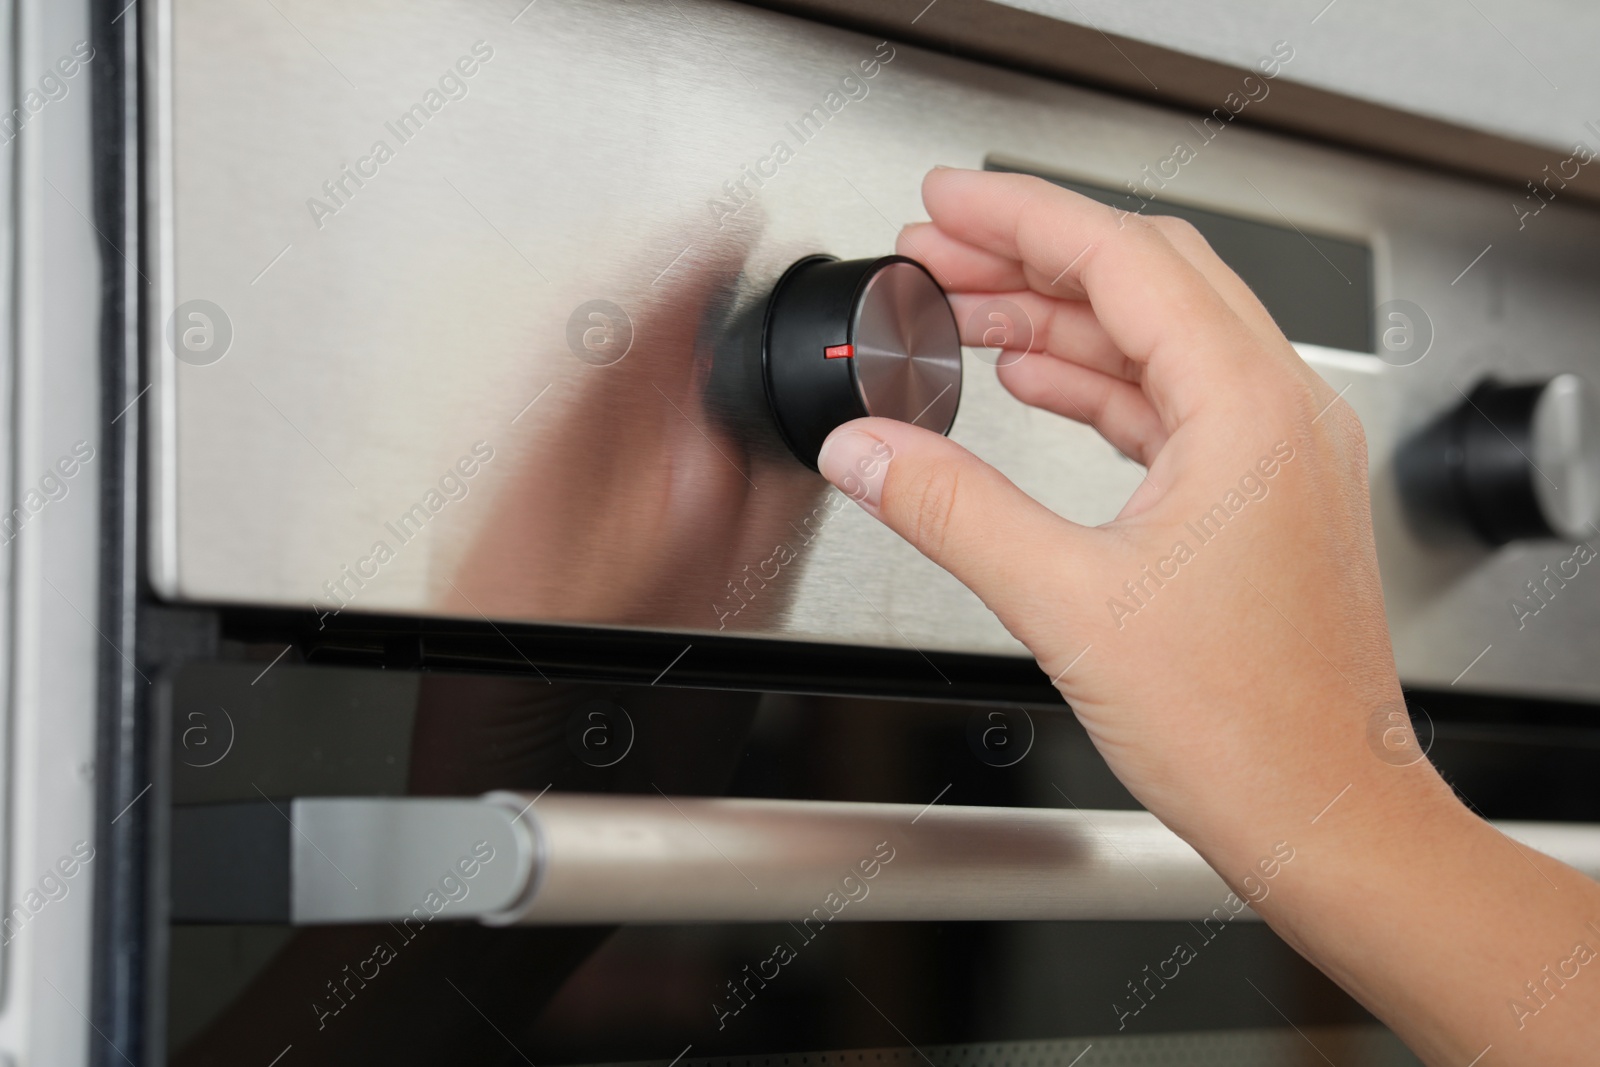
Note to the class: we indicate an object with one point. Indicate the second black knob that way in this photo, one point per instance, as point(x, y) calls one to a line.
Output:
point(1512, 461)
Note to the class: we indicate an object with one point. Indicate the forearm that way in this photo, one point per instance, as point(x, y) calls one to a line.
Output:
point(1459, 938)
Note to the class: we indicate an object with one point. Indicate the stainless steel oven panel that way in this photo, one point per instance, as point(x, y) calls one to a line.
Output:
point(375, 345)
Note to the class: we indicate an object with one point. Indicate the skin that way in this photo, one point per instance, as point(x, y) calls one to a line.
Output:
point(1250, 702)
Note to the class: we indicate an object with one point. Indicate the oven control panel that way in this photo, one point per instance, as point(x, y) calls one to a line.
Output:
point(508, 334)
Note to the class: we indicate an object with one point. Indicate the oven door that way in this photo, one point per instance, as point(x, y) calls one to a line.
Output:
point(378, 865)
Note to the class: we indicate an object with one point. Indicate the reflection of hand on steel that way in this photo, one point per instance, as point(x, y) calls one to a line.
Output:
point(1224, 639)
point(632, 501)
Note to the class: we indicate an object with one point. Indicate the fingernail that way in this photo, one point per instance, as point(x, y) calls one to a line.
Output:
point(856, 463)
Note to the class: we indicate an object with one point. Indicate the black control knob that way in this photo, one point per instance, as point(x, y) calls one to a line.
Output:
point(847, 339)
point(1510, 462)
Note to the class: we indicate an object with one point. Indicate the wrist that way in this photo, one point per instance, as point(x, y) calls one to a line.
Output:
point(1338, 823)
point(1431, 917)
point(1381, 845)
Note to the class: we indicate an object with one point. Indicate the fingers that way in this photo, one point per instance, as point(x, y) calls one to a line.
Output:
point(958, 265)
point(975, 276)
point(1118, 409)
point(1193, 247)
point(1066, 329)
point(964, 268)
point(1156, 307)
point(1016, 554)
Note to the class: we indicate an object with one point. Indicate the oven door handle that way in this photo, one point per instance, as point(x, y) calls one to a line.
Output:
point(515, 858)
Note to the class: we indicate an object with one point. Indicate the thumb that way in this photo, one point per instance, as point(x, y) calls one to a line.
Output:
point(1019, 557)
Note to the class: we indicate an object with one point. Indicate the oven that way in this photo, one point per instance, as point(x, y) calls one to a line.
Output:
point(502, 684)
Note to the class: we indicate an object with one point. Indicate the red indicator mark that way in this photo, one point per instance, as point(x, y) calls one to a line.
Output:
point(839, 351)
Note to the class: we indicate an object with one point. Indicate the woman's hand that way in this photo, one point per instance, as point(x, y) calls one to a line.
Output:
point(1223, 639)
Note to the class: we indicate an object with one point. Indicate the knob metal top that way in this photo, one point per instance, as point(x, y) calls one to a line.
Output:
point(843, 340)
point(1566, 448)
point(907, 348)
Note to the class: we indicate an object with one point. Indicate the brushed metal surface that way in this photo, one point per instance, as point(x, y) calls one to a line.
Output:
point(361, 859)
point(1566, 449)
point(908, 350)
point(629, 153)
point(608, 859)
point(58, 538)
point(696, 859)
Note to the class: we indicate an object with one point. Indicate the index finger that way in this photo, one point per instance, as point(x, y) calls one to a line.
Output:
point(1155, 305)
